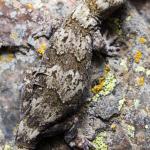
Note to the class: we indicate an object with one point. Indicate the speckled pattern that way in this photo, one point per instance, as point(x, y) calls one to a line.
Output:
point(19, 19)
point(129, 127)
point(19, 51)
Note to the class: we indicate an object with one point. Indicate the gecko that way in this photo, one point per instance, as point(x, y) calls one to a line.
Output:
point(60, 84)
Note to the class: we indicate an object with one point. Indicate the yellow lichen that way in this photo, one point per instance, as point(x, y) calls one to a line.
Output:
point(98, 88)
point(7, 58)
point(29, 6)
point(10, 57)
point(128, 18)
point(106, 84)
point(137, 56)
point(142, 40)
point(7, 147)
point(95, 97)
point(139, 69)
point(140, 81)
point(129, 129)
point(121, 103)
point(148, 73)
point(14, 36)
point(42, 48)
point(106, 69)
point(113, 127)
point(110, 83)
point(100, 143)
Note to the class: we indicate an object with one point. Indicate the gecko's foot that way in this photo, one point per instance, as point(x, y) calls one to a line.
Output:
point(81, 143)
point(76, 140)
point(110, 48)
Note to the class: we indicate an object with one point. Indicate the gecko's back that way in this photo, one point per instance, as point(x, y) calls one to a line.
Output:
point(62, 81)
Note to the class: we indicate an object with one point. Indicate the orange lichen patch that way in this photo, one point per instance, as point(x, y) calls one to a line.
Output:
point(97, 88)
point(137, 56)
point(29, 6)
point(140, 81)
point(106, 69)
point(42, 48)
point(142, 40)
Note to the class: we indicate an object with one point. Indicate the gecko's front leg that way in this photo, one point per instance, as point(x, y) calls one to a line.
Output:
point(75, 139)
point(104, 44)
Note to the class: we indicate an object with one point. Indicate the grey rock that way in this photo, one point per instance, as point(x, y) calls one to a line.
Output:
point(108, 106)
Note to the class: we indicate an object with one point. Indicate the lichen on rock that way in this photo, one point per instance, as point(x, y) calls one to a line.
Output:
point(100, 141)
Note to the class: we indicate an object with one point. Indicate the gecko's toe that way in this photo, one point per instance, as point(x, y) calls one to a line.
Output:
point(111, 47)
point(82, 143)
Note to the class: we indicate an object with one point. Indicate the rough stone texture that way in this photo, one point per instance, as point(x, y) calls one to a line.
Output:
point(108, 106)
point(20, 19)
point(130, 129)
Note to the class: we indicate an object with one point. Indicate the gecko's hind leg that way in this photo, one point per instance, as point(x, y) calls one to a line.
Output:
point(76, 140)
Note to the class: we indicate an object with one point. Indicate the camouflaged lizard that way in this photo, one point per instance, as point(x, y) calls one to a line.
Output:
point(60, 85)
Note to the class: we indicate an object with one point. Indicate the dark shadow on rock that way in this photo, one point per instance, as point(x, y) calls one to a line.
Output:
point(54, 143)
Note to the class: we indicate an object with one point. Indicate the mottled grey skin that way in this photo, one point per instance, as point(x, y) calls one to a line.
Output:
point(60, 84)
